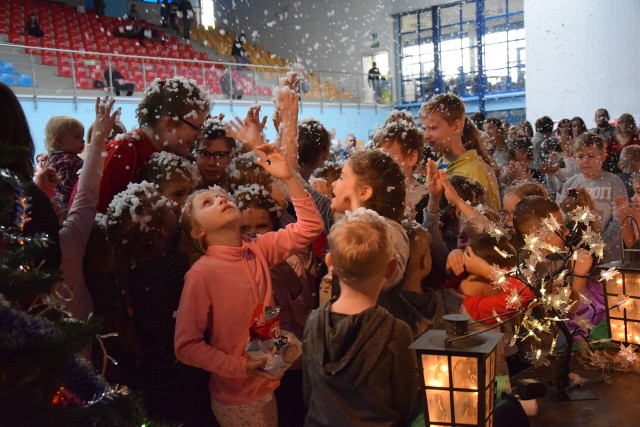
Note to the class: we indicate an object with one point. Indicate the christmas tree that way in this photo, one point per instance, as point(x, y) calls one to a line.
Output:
point(42, 379)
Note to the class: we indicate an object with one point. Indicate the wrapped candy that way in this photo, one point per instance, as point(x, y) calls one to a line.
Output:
point(280, 348)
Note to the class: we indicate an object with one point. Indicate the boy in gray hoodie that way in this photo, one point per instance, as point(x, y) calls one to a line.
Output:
point(357, 366)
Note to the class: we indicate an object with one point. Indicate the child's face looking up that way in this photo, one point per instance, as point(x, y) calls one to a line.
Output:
point(589, 160)
point(256, 221)
point(72, 141)
point(213, 211)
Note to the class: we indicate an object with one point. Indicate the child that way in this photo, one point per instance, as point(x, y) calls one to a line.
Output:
point(64, 140)
point(358, 369)
point(452, 135)
point(405, 144)
point(517, 168)
point(213, 153)
point(496, 141)
point(528, 218)
point(629, 164)
point(485, 251)
point(260, 215)
point(322, 179)
point(292, 282)
point(140, 225)
point(421, 309)
point(171, 116)
point(512, 195)
point(173, 176)
point(373, 180)
point(482, 299)
point(603, 186)
point(225, 286)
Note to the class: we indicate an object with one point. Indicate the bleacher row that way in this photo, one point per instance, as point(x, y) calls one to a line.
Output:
point(221, 41)
point(66, 28)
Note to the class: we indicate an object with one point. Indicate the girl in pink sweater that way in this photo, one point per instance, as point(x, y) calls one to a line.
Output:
point(226, 284)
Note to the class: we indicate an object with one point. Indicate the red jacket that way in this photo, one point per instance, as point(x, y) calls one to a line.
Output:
point(480, 306)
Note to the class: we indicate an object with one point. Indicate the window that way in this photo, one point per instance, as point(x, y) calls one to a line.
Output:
point(455, 40)
point(208, 16)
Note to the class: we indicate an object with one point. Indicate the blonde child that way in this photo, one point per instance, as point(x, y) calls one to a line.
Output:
point(457, 140)
point(64, 140)
point(229, 281)
point(358, 369)
point(171, 116)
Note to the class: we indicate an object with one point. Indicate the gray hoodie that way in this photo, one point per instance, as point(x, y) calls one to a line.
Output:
point(358, 370)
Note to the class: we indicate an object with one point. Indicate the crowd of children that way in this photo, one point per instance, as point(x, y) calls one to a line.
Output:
point(183, 234)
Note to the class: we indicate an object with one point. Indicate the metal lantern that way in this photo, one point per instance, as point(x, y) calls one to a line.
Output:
point(622, 293)
point(458, 374)
point(622, 296)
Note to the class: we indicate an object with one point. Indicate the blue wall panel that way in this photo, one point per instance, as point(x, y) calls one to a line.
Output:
point(360, 122)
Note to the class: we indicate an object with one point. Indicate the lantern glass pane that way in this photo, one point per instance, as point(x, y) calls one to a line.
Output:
point(489, 421)
point(439, 407)
point(435, 370)
point(489, 395)
point(466, 407)
point(487, 370)
point(614, 285)
point(465, 372)
point(617, 329)
point(633, 310)
point(632, 284)
point(633, 333)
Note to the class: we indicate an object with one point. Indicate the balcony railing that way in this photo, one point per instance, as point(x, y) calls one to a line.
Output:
point(62, 73)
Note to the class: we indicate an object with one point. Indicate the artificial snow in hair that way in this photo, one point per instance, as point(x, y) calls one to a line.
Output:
point(364, 215)
point(129, 200)
point(174, 164)
point(246, 193)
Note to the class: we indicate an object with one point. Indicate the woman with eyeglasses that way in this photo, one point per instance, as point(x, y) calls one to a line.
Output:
point(213, 153)
point(171, 116)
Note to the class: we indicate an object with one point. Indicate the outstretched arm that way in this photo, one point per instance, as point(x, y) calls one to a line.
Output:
point(286, 118)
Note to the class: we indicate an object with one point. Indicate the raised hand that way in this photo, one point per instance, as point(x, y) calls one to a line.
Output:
point(434, 184)
point(105, 120)
point(450, 193)
point(273, 161)
point(248, 130)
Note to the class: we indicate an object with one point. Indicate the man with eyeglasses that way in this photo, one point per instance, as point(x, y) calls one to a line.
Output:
point(213, 154)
